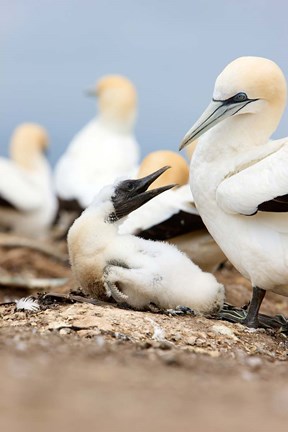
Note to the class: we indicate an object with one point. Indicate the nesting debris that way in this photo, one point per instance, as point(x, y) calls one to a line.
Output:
point(223, 330)
point(31, 283)
point(159, 332)
point(29, 304)
point(12, 241)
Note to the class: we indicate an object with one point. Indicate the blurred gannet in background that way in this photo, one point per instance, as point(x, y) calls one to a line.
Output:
point(104, 149)
point(172, 216)
point(27, 201)
point(239, 177)
point(141, 273)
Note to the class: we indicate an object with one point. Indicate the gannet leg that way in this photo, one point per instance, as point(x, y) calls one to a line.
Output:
point(251, 319)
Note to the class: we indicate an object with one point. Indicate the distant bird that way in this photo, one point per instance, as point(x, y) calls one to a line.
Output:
point(104, 149)
point(173, 216)
point(27, 201)
point(239, 177)
point(142, 273)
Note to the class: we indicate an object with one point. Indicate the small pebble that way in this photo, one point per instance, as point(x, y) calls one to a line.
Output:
point(100, 341)
point(223, 330)
point(254, 362)
point(64, 331)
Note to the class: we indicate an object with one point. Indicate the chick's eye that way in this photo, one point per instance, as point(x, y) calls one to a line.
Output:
point(240, 97)
point(130, 186)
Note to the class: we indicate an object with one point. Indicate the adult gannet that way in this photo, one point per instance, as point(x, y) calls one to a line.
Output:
point(239, 177)
point(142, 273)
point(104, 149)
point(173, 216)
point(27, 201)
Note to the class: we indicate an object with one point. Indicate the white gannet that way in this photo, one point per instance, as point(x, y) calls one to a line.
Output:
point(104, 149)
point(173, 216)
point(141, 273)
point(27, 201)
point(239, 177)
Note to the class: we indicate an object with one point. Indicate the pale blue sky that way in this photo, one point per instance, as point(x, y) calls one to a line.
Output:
point(52, 50)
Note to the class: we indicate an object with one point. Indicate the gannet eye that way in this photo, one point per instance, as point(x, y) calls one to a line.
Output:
point(130, 186)
point(240, 97)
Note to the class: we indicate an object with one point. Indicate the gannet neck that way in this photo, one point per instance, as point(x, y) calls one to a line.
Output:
point(91, 232)
point(234, 136)
point(114, 123)
point(28, 143)
point(117, 102)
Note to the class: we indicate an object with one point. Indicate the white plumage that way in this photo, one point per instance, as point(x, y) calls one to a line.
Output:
point(27, 304)
point(172, 216)
point(160, 274)
point(161, 208)
point(239, 177)
point(105, 148)
point(133, 270)
point(27, 201)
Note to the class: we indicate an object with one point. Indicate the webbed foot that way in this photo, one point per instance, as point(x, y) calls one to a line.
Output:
point(112, 290)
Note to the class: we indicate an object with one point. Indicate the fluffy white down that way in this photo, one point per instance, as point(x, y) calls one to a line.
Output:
point(159, 273)
point(145, 271)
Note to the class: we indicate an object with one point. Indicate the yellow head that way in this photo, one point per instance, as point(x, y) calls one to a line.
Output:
point(250, 88)
point(27, 142)
point(178, 174)
point(258, 77)
point(117, 99)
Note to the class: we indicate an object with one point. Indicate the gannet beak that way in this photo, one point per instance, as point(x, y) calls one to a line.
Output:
point(214, 113)
point(132, 194)
point(90, 92)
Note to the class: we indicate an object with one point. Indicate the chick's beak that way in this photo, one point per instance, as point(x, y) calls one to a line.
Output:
point(126, 201)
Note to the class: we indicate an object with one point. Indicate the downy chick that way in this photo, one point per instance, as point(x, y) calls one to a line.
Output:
point(141, 273)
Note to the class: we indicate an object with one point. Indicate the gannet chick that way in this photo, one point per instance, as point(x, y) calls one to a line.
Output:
point(139, 272)
point(104, 149)
point(27, 201)
point(173, 216)
point(239, 176)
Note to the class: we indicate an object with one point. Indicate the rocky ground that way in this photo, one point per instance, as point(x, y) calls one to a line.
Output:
point(71, 366)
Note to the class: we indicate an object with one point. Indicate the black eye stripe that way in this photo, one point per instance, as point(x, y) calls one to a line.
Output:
point(238, 98)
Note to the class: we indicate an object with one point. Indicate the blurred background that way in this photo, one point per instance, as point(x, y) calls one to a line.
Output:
point(52, 50)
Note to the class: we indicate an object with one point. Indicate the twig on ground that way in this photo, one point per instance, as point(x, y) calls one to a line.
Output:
point(33, 283)
point(10, 241)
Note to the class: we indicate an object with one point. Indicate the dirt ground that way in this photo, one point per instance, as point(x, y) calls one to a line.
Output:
point(72, 366)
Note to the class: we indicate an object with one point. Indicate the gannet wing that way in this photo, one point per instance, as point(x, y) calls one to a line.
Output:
point(17, 189)
point(277, 205)
point(179, 224)
point(167, 215)
point(262, 187)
